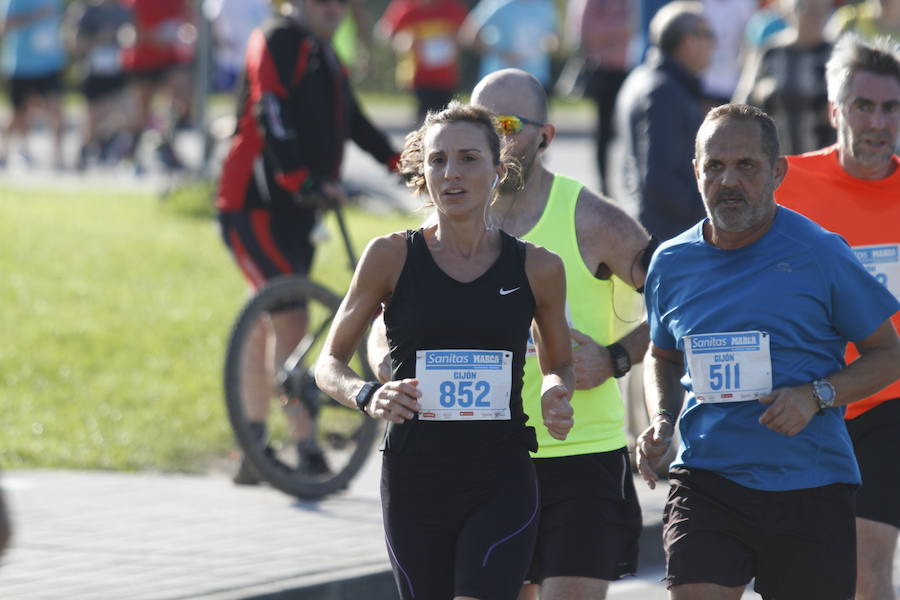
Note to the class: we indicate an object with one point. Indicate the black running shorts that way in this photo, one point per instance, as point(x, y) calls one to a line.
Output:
point(797, 543)
point(876, 441)
point(98, 87)
point(266, 244)
point(23, 88)
point(460, 526)
point(590, 517)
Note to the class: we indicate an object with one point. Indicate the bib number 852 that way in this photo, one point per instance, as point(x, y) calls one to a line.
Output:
point(723, 376)
point(466, 394)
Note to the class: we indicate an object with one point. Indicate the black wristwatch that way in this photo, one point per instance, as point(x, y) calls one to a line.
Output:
point(365, 393)
point(621, 362)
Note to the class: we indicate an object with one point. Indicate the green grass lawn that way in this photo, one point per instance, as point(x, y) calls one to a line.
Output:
point(115, 313)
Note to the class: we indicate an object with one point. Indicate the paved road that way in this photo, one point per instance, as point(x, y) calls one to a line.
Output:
point(148, 536)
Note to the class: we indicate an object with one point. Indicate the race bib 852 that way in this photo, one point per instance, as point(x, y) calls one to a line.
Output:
point(460, 385)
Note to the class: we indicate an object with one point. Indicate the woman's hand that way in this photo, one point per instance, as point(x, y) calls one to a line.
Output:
point(557, 411)
point(395, 401)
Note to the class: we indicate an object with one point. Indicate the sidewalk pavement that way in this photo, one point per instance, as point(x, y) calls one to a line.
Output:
point(83, 535)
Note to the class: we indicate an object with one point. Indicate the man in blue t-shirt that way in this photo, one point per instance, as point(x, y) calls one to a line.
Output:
point(750, 310)
point(33, 59)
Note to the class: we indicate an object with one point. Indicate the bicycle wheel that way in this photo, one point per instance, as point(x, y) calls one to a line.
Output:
point(300, 440)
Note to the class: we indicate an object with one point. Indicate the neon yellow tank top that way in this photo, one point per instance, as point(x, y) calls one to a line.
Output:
point(599, 413)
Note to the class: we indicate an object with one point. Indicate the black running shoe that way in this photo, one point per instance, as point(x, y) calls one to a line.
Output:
point(247, 474)
point(313, 463)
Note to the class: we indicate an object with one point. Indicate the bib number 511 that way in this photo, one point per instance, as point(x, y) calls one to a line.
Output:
point(465, 394)
point(722, 376)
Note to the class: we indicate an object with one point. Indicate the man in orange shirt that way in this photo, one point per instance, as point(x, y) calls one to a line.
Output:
point(853, 189)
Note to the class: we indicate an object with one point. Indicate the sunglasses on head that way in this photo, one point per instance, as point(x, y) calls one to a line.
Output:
point(507, 124)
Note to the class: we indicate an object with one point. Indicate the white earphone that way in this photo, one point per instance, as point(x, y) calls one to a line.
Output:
point(496, 181)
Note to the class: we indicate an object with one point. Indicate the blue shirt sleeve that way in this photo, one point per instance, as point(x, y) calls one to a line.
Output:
point(659, 334)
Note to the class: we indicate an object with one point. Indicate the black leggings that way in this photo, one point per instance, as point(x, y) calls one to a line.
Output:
point(460, 526)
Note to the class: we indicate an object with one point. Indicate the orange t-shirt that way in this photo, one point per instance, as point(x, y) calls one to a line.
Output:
point(865, 212)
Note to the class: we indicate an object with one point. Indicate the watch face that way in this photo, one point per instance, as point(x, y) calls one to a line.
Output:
point(825, 392)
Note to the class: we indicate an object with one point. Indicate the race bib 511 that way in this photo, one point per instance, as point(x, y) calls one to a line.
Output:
point(729, 367)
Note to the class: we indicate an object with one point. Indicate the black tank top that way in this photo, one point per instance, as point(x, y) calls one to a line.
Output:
point(430, 310)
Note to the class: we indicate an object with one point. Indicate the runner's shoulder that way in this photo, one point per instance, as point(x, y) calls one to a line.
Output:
point(542, 263)
point(606, 221)
point(385, 252)
point(607, 235)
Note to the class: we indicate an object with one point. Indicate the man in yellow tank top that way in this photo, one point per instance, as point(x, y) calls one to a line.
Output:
point(590, 517)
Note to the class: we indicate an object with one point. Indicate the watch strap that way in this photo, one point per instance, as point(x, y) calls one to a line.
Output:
point(364, 396)
point(621, 362)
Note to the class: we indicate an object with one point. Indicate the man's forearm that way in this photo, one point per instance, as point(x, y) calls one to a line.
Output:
point(635, 342)
point(662, 385)
point(873, 371)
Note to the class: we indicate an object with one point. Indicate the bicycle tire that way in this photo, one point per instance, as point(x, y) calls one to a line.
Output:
point(269, 458)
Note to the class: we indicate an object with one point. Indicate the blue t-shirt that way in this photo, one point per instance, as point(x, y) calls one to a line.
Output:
point(35, 48)
point(517, 27)
point(804, 287)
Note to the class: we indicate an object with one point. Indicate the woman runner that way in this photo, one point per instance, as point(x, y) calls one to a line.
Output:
point(459, 493)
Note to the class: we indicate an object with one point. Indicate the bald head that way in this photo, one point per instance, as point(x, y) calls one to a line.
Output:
point(512, 92)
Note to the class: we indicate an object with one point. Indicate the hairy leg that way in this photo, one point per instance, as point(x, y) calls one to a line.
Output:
point(876, 544)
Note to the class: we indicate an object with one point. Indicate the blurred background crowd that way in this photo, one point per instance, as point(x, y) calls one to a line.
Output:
point(137, 72)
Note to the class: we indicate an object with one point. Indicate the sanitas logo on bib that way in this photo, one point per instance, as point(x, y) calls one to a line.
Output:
point(504, 292)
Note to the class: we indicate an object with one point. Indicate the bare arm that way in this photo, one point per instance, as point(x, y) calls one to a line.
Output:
point(547, 278)
point(373, 281)
point(593, 361)
point(379, 353)
point(610, 241)
point(663, 370)
point(878, 366)
point(608, 236)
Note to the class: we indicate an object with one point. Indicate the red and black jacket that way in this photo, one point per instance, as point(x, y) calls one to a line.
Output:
point(295, 111)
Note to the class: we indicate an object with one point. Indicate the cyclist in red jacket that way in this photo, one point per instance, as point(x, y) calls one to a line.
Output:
point(296, 109)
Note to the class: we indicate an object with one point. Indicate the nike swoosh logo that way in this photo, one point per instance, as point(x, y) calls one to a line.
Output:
point(505, 292)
